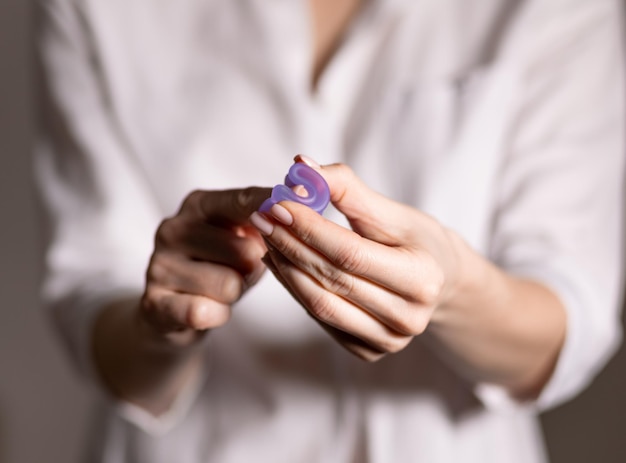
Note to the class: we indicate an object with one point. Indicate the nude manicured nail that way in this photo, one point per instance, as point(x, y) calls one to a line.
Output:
point(261, 223)
point(281, 214)
point(307, 160)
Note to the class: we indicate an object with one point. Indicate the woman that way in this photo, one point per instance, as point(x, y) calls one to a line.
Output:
point(472, 255)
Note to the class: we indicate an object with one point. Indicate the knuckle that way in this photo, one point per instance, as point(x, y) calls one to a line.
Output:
point(419, 323)
point(393, 345)
point(196, 314)
point(168, 233)
point(204, 313)
point(306, 232)
point(337, 282)
point(430, 290)
point(244, 200)
point(193, 199)
point(412, 322)
point(158, 270)
point(192, 204)
point(428, 281)
point(352, 258)
point(149, 301)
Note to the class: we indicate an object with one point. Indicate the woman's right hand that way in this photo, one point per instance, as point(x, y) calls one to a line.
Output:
point(205, 258)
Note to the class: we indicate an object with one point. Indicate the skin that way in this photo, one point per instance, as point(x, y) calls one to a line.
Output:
point(396, 275)
point(399, 274)
point(205, 258)
point(329, 21)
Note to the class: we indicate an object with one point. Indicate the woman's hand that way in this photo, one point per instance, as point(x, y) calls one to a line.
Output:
point(374, 287)
point(204, 260)
point(397, 272)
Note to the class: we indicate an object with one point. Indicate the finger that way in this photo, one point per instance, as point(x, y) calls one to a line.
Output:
point(388, 307)
point(349, 342)
point(170, 311)
point(227, 207)
point(370, 214)
point(411, 274)
point(209, 243)
point(353, 344)
point(218, 282)
point(335, 311)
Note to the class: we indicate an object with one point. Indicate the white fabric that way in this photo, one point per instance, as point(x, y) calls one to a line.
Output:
point(503, 119)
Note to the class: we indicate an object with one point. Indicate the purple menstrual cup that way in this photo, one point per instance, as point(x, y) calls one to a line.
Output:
point(318, 193)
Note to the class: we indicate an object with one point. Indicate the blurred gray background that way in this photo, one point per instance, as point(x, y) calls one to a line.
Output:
point(44, 411)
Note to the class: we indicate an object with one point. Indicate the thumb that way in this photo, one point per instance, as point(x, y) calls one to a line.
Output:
point(370, 214)
point(226, 207)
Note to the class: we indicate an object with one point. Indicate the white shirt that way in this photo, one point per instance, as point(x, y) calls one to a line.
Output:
point(502, 119)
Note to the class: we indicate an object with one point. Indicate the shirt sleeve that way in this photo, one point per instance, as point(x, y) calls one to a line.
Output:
point(559, 213)
point(99, 211)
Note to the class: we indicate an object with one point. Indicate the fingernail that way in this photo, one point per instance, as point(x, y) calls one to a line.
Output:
point(307, 160)
point(281, 214)
point(261, 224)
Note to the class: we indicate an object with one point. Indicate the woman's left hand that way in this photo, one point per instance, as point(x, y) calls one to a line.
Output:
point(375, 287)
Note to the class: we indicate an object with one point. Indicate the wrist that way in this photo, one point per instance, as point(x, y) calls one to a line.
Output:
point(137, 363)
point(469, 274)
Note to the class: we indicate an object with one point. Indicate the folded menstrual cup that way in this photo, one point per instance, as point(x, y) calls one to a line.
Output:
point(318, 194)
